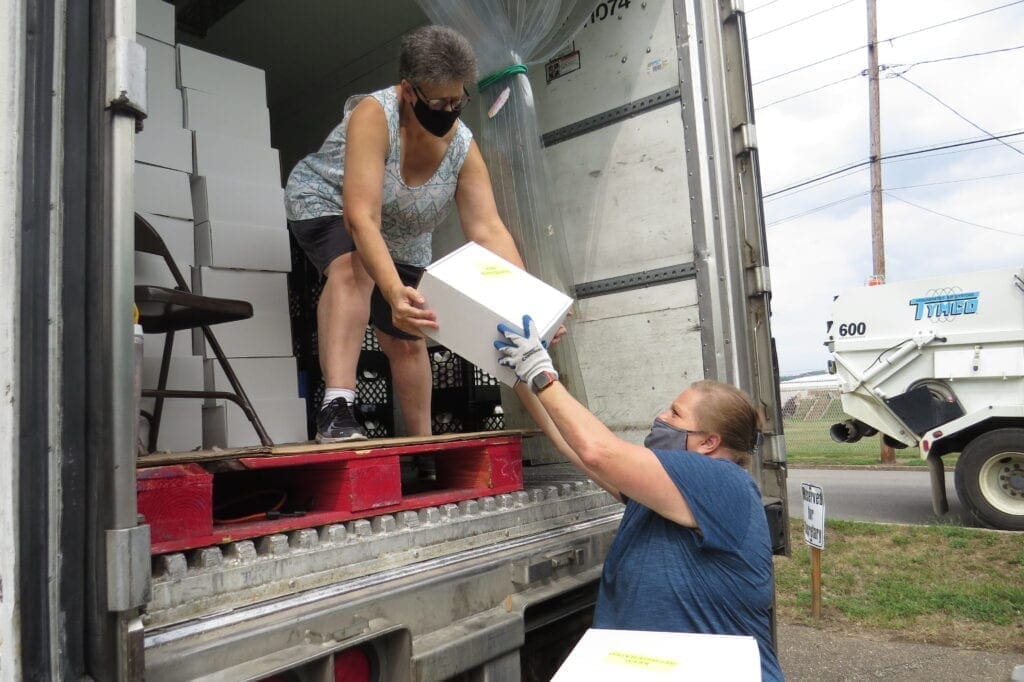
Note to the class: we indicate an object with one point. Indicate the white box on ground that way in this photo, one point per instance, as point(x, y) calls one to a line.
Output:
point(206, 111)
point(231, 245)
point(616, 655)
point(207, 72)
point(181, 424)
point(236, 158)
point(164, 146)
point(217, 199)
point(261, 378)
point(226, 426)
point(155, 19)
point(472, 290)
point(177, 235)
point(162, 191)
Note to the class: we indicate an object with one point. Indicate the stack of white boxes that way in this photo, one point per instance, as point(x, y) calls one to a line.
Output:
point(163, 162)
point(237, 234)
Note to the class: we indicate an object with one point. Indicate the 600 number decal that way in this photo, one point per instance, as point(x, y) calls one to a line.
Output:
point(853, 329)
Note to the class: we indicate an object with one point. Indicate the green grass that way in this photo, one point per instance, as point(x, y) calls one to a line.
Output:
point(808, 442)
point(936, 584)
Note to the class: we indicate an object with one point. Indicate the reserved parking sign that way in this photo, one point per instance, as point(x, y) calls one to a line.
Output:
point(814, 515)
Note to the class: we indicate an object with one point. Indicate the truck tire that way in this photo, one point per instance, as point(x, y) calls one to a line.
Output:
point(990, 478)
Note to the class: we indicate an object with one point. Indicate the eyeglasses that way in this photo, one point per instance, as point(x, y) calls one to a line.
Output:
point(456, 105)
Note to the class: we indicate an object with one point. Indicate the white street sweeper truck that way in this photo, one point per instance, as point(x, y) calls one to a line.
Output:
point(938, 364)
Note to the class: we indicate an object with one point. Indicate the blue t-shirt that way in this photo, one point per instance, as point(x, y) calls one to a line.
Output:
point(661, 576)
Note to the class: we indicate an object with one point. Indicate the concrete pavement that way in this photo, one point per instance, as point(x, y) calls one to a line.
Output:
point(807, 653)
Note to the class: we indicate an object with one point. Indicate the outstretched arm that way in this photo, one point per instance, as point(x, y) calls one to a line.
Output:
point(632, 470)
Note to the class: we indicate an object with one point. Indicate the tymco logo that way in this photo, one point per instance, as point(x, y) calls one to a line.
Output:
point(945, 305)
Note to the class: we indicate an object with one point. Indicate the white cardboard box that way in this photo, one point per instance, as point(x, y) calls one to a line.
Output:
point(267, 333)
point(163, 99)
point(178, 237)
point(211, 73)
point(184, 374)
point(261, 378)
point(230, 245)
point(162, 191)
point(616, 655)
point(236, 158)
point(472, 290)
point(264, 335)
point(181, 425)
point(226, 426)
point(209, 112)
point(216, 199)
point(155, 19)
point(163, 146)
point(266, 291)
point(153, 345)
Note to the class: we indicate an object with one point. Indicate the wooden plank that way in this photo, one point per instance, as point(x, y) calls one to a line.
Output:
point(204, 456)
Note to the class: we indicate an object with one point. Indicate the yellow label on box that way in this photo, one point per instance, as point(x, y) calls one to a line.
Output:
point(640, 660)
point(494, 270)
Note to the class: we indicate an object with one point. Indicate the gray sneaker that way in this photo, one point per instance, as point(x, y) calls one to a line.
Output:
point(335, 423)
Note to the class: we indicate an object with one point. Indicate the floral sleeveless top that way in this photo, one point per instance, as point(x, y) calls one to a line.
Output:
point(409, 215)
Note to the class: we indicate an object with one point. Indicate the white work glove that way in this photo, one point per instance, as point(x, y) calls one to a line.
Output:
point(524, 353)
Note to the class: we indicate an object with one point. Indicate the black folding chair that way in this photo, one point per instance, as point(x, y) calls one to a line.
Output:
point(166, 311)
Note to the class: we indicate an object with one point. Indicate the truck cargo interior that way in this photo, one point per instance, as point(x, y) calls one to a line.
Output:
point(243, 551)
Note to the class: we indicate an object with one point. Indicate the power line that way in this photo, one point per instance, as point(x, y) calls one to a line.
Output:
point(926, 184)
point(946, 215)
point(754, 9)
point(886, 40)
point(816, 209)
point(958, 180)
point(959, 56)
point(905, 67)
point(808, 92)
point(957, 113)
point(801, 19)
point(886, 157)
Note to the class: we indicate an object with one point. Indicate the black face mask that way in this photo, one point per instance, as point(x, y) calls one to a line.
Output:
point(664, 436)
point(435, 122)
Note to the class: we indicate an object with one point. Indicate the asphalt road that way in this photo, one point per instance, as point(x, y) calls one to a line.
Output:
point(876, 495)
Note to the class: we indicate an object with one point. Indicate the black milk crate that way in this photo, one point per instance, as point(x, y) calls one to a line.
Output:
point(448, 370)
point(483, 387)
point(449, 414)
point(378, 420)
point(487, 416)
point(370, 339)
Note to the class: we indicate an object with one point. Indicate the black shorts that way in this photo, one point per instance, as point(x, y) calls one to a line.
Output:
point(324, 239)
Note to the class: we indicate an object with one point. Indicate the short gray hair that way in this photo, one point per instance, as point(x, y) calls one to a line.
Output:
point(436, 55)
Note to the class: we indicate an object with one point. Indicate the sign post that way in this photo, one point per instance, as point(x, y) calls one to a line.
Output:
point(814, 535)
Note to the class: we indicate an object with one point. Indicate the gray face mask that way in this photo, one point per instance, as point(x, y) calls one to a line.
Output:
point(664, 436)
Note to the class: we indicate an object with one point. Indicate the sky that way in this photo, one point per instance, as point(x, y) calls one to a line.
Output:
point(819, 237)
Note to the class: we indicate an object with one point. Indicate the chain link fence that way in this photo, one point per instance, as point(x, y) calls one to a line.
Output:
point(807, 414)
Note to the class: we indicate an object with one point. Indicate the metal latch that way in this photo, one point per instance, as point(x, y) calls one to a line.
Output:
point(128, 568)
point(538, 568)
point(126, 79)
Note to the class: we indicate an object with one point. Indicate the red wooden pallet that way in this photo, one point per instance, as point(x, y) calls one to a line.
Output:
point(331, 486)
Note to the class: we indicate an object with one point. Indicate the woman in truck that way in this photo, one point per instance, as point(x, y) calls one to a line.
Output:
point(692, 553)
point(363, 209)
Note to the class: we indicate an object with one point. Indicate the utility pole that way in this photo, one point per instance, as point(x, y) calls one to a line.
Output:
point(886, 454)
